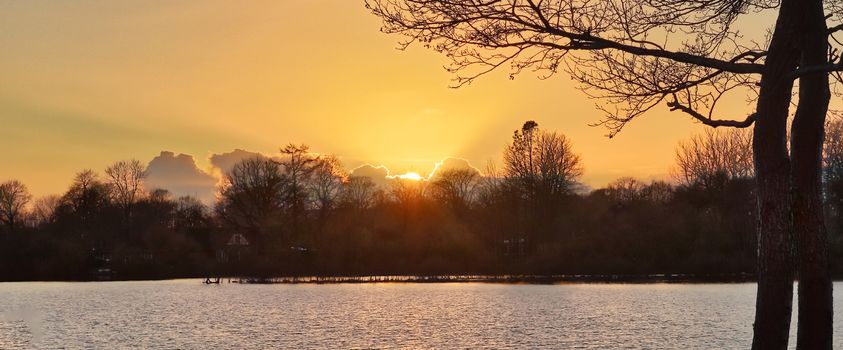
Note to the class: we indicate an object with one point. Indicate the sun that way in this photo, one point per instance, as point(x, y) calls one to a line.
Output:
point(410, 176)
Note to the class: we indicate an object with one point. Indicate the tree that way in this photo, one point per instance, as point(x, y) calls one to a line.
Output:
point(155, 210)
point(160, 195)
point(408, 192)
point(126, 180)
point(14, 196)
point(542, 162)
point(806, 144)
point(190, 213)
point(625, 190)
point(44, 208)
point(499, 201)
point(658, 192)
point(833, 164)
point(326, 183)
point(297, 168)
point(455, 188)
point(519, 160)
point(635, 55)
point(704, 157)
point(544, 168)
point(324, 187)
point(559, 168)
point(84, 204)
point(358, 192)
point(250, 196)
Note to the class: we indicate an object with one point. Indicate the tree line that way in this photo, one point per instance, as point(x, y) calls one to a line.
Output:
point(303, 214)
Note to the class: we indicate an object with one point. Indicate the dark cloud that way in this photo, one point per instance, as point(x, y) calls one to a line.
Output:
point(180, 175)
point(224, 162)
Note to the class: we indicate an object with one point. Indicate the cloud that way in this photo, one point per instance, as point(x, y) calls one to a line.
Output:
point(379, 174)
point(224, 162)
point(451, 163)
point(180, 175)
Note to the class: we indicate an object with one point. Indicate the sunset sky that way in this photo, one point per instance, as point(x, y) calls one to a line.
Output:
point(86, 83)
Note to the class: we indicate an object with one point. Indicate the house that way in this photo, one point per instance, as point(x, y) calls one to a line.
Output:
point(234, 250)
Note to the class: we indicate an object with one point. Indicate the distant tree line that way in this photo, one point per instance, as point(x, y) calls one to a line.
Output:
point(302, 214)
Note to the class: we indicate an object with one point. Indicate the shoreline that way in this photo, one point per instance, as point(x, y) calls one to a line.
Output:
point(456, 278)
point(496, 279)
point(502, 279)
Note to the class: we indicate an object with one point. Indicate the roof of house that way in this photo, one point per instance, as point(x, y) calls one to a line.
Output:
point(237, 239)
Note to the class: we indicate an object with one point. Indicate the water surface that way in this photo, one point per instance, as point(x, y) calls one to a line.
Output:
point(189, 314)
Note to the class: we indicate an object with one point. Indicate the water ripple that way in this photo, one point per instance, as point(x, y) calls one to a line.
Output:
point(186, 314)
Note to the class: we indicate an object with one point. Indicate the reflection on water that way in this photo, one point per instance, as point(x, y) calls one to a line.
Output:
point(189, 314)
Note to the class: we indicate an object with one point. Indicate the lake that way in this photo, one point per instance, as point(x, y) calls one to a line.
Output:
point(189, 314)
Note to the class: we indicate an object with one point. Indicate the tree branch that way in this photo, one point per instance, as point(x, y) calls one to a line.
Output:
point(825, 68)
point(835, 29)
point(675, 105)
point(585, 41)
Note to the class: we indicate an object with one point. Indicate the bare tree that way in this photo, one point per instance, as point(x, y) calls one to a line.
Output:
point(658, 191)
point(84, 180)
point(326, 182)
point(544, 169)
point(833, 142)
point(408, 192)
point(542, 162)
point(518, 158)
point(160, 195)
point(455, 187)
point(635, 55)
point(44, 208)
point(358, 192)
point(714, 153)
point(87, 197)
point(126, 179)
point(14, 196)
point(325, 186)
point(558, 166)
point(250, 196)
point(298, 167)
point(190, 213)
point(625, 190)
point(833, 166)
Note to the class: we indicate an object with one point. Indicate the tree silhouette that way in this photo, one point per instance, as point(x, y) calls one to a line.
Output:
point(126, 180)
point(14, 196)
point(84, 204)
point(358, 192)
point(455, 187)
point(635, 55)
point(833, 165)
point(44, 208)
point(625, 190)
point(704, 157)
point(298, 166)
point(326, 183)
point(545, 168)
point(250, 198)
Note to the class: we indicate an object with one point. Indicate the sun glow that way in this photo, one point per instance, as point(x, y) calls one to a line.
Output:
point(410, 176)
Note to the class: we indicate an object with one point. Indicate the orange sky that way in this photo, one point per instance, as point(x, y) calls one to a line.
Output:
point(85, 83)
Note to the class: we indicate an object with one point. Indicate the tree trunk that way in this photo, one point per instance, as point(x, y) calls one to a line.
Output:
point(815, 289)
point(772, 166)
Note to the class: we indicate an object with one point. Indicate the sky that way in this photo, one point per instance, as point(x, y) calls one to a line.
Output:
point(86, 83)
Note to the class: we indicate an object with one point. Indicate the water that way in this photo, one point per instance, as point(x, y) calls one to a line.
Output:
point(188, 314)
